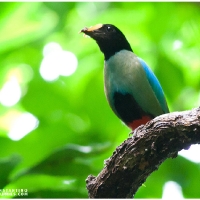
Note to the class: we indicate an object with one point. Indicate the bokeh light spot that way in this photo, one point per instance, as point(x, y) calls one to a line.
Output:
point(177, 44)
point(23, 125)
point(57, 62)
point(172, 190)
point(192, 153)
point(10, 93)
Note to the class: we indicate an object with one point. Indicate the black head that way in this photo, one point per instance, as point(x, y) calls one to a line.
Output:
point(109, 38)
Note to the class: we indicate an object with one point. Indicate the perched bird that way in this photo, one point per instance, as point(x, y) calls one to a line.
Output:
point(132, 90)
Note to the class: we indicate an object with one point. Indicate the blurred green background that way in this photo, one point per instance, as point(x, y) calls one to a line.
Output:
point(56, 127)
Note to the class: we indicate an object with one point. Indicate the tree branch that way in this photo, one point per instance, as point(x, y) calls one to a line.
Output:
point(138, 156)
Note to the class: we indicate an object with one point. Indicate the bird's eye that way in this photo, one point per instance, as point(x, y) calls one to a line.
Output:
point(109, 28)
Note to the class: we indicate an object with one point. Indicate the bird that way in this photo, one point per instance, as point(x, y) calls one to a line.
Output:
point(131, 88)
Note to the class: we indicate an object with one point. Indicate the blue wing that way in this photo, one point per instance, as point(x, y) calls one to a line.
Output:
point(155, 86)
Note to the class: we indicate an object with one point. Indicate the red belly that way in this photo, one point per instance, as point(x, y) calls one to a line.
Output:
point(134, 124)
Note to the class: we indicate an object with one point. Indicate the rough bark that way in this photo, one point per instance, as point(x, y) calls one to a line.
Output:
point(138, 156)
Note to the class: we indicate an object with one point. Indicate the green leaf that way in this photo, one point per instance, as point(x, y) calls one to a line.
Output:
point(7, 165)
point(24, 26)
point(71, 160)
